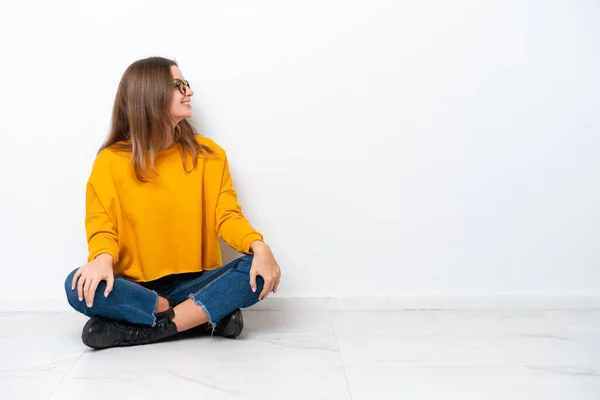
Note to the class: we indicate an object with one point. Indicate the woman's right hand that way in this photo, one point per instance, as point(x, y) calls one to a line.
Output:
point(91, 274)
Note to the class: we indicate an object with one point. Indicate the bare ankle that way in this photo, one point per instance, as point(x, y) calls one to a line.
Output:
point(162, 304)
point(188, 314)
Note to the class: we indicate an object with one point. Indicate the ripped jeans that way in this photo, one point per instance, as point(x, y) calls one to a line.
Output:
point(219, 292)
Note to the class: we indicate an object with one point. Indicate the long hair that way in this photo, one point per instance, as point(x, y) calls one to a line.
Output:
point(141, 117)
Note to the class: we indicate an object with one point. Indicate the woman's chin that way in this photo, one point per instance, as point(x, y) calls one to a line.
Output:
point(180, 118)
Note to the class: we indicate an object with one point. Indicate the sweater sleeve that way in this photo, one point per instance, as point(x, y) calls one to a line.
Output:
point(100, 218)
point(232, 225)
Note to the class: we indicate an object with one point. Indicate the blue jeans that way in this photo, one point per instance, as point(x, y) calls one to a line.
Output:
point(219, 292)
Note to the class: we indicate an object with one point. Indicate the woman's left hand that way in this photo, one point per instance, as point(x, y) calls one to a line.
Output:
point(264, 264)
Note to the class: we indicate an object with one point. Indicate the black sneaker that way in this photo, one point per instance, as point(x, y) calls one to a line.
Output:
point(101, 333)
point(230, 326)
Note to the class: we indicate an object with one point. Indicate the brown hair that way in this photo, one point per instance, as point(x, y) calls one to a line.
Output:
point(141, 116)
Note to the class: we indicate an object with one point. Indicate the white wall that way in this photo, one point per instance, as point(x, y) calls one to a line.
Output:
point(383, 148)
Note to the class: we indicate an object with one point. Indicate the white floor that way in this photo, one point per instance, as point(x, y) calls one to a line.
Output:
point(316, 355)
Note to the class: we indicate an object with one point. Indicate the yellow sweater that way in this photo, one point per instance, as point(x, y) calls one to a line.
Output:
point(170, 224)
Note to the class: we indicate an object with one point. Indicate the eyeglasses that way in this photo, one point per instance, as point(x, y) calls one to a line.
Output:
point(183, 86)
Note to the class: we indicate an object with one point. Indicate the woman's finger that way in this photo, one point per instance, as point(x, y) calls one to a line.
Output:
point(92, 291)
point(110, 281)
point(86, 289)
point(271, 286)
point(266, 288)
point(253, 279)
point(277, 280)
point(75, 276)
point(80, 287)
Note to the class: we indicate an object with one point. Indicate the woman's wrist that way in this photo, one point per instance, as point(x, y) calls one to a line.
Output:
point(258, 247)
point(105, 257)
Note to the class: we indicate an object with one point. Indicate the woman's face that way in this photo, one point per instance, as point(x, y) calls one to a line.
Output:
point(181, 106)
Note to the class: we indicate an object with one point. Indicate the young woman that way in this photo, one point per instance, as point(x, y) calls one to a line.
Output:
point(158, 197)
